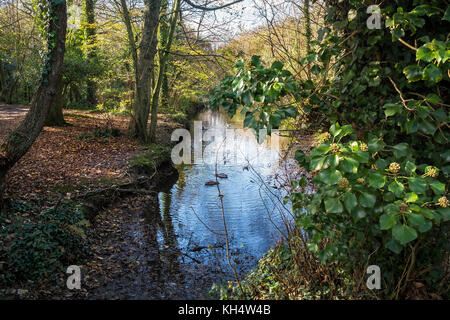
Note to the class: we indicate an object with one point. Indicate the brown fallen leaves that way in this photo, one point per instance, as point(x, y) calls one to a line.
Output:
point(61, 161)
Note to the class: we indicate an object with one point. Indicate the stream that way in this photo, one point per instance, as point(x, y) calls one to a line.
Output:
point(185, 241)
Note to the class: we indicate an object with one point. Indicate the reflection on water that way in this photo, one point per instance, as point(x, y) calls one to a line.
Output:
point(191, 217)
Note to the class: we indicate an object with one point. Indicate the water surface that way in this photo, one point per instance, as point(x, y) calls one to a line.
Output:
point(253, 208)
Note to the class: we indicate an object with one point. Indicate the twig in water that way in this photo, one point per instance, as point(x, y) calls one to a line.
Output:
point(206, 226)
point(225, 224)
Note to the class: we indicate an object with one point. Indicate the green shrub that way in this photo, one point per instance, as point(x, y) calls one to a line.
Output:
point(150, 160)
point(42, 249)
point(382, 171)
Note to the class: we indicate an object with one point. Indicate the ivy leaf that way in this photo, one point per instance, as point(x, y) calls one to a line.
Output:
point(411, 126)
point(249, 118)
point(350, 165)
point(344, 131)
point(316, 163)
point(381, 163)
point(391, 208)
point(397, 33)
point(392, 109)
point(290, 111)
point(400, 150)
point(411, 197)
point(316, 69)
point(444, 213)
point(275, 120)
point(417, 185)
point(424, 53)
point(396, 188)
point(367, 200)
point(247, 98)
point(427, 127)
point(394, 246)
point(320, 150)
point(277, 65)
point(434, 98)
point(376, 180)
point(446, 156)
point(413, 73)
point(335, 129)
point(410, 167)
point(256, 61)
point(387, 221)
point(375, 144)
point(333, 160)
point(446, 14)
point(358, 213)
point(361, 156)
point(420, 222)
point(349, 201)
point(330, 176)
point(333, 205)
point(432, 73)
point(438, 188)
point(404, 233)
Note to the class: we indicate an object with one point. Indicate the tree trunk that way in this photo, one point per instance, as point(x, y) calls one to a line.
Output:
point(11, 89)
point(55, 115)
point(144, 65)
point(20, 140)
point(162, 69)
point(307, 17)
point(90, 36)
point(2, 81)
point(164, 33)
point(165, 90)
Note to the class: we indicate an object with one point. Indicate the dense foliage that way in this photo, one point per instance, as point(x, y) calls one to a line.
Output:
point(41, 248)
point(382, 168)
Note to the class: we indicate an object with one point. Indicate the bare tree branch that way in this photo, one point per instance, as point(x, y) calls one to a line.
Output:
point(196, 6)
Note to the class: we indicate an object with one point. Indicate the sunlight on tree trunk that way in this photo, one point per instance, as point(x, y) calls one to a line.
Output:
point(162, 67)
point(144, 64)
point(55, 115)
point(90, 36)
point(307, 17)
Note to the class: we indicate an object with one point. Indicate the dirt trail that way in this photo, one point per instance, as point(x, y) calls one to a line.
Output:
point(10, 116)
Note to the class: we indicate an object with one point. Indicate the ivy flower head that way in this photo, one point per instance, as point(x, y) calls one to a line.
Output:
point(394, 167)
point(431, 172)
point(363, 147)
point(361, 181)
point(334, 148)
point(443, 202)
point(343, 183)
